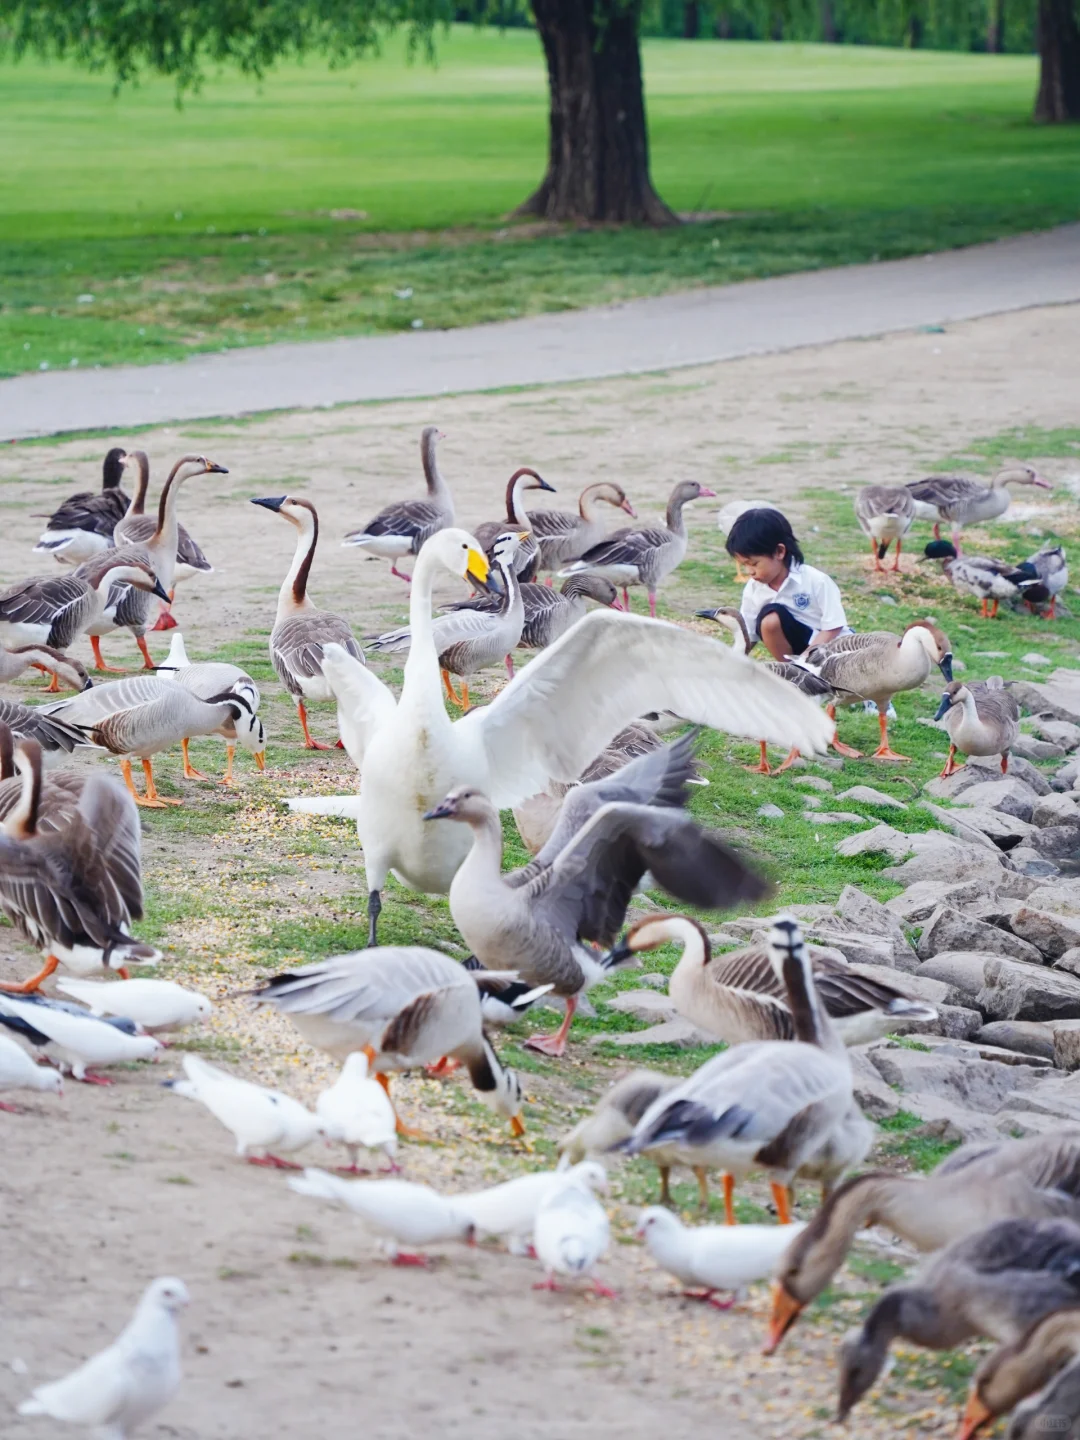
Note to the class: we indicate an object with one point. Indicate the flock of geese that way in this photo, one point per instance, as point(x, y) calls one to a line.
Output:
point(572, 744)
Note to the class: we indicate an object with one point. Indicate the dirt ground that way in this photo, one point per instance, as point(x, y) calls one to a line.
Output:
point(294, 1329)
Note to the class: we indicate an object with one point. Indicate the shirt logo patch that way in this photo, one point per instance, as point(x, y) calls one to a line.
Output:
point(802, 600)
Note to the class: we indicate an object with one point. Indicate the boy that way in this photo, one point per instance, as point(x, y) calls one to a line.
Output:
point(787, 604)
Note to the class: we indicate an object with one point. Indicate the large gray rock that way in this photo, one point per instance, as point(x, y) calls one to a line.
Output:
point(1052, 934)
point(1067, 1044)
point(979, 826)
point(1004, 989)
point(1057, 1096)
point(1026, 747)
point(1054, 842)
point(945, 859)
point(873, 1097)
point(1031, 864)
point(881, 840)
point(1010, 795)
point(646, 1005)
point(1059, 732)
point(858, 948)
point(920, 900)
point(1066, 776)
point(1062, 897)
point(954, 1072)
point(871, 917)
point(867, 795)
point(948, 929)
point(1028, 1037)
point(986, 770)
point(1057, 697)
point(1069, 961)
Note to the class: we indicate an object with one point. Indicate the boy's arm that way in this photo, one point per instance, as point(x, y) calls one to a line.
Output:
point(821, 637)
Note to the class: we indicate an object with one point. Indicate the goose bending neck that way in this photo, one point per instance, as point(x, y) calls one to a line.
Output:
point(293, 595)
point(138, 500)
point(515, 488)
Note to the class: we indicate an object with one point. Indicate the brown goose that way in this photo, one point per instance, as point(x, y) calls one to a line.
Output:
point(644, 557)
point(966, 502)
point(1017, 1370)
point(73, 892)
point(60, 789)
point(885, 513)
point(517, 518)
point(562, 536)
point(56, 611)
point(83, 526)
point(400, 529)
point(61, 667)
point(301, 629)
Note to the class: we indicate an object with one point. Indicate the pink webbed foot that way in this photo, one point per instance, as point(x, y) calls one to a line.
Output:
point(401, 574)
point(407, 1257)
point(604, 1291)
point(548, 1283)
point(91, 1078)
point(10, 1109)
point(554, 1045)
point(164, 621)
point(351, 1170)
point(272, 1162)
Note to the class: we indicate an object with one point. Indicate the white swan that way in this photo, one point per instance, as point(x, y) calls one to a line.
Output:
point(547, 724)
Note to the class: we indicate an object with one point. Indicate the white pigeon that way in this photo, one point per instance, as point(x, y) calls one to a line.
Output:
point(394, 1212)
point(708, 1258)
point(18, 1072)
point(76, 1042)
point(119, 1388)
point(356, 1112)
point(571, 1234)
point(154, 1004)
point(510, 1209)
point(260, 1120)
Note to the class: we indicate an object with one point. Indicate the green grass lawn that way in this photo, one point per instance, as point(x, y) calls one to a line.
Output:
point(215, 225)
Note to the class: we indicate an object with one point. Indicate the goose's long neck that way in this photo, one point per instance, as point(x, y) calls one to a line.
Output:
point(293, 596)
point(485, 856)
point(812, 1023)
point(516, 514)
point(697, 952)
point(515, 603)
point(162, 544)
point(436, 481)
point(587, 503)
point(675, 522)
point(483, 1066)
point(138, 500)
point(21, 822)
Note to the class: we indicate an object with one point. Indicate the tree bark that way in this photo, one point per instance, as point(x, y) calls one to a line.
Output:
point(828, 23)
point(598, 153)
point(691, 20)
point(995, 28)
point(1059, 63)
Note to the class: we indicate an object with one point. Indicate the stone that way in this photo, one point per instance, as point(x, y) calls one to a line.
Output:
point(1028, 1037)
point(1057, 1095)
point(1055, 809)
point(882, 839)
point(867, 795)
point(920, 900)
point(654, 980)
point(857, 948)
point(957, 1073)
point(1054, 842)
point(670, 1032)
point(1050, 933)
point(1067, 1044)
point(814, 782)
point(872, 918)
point(1058, 696)
point(812, 802)
point(1069, 961)
point(1066, 776)
point(945, 858)
point(955, 1022)
point(1005, 989)
point(770, 812)
point(1062, 897)
point(1059, 732)
point(996, 912)
point(1025, 747)
point(948, 929)
point(1032, 864)
point(873, 1097)
point(644, 1005)
point(1019, 1124)
point(839, 817)
point(1010, 795)
point(992, 654)
point(1034, 658)
point(980, 826)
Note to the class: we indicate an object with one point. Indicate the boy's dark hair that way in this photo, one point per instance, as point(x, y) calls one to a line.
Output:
point(762, 532)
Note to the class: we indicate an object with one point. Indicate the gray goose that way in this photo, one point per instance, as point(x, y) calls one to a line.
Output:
point(562, 536)
point(55, 663)
point(644, 557)
point(301, 629)
point(982, 718)
point(74, 891)
point(539, 920)
point(1049, 1349)
point(400, 529)
point(885, 513)
point(548, 613)
point(55, 611)
point(966, 502)
point(83, 525)
point(518, 519)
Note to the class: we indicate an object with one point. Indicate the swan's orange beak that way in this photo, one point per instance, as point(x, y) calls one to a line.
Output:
point(976, 1415)
point(785, 1311)
point(517, 1127)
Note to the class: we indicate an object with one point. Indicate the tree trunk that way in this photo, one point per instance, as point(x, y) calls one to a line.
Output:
point(1059, 63)
point(691, 20)
point(995, 28)
point(598, 155)
point(828, 23)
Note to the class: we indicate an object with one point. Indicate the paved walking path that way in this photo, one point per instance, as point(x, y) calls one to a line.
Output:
point(692, 328)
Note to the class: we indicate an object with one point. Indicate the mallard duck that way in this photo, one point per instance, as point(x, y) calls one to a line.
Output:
point(885, 513)
point(1014, 1371)
point(966, 502)
point(56, 610)
point(981, 576)
point(1049, 571)
point(644, 557)
point(548, 613)
point(83, 526)
point(301, 629)
point(982, 718)
point(562, 536)
point(517, 519)
point(55, 663)
point(400, 529)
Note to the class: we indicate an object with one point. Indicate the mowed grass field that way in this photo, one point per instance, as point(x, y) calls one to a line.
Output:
point(322, 202)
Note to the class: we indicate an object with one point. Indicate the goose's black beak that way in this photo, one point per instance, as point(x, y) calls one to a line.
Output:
point(445, 810)
point(945, 666)
point(212, 468)
point(160, 591)
point(944, 707)
point(620, 954)
point(706, 614)
point(543, 485)
point(273, 502)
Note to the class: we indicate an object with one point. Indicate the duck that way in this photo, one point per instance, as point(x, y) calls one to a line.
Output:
point(356, 1112)
point(19, 1072)
point(644, 557)
point(83, 525)
point(539, 922)
point(708, 1259)
point(739, 998)
point(142, 715)
point(509, 1210)
point(981, 576)
point(1049, 567)
point(1034, 1178)
point(469, 640)
point(301, 629)
point(547, 613)
point(155, 1005)
point(73, 892)
point(571, 1234)
point(1014, 1371)
point(208, 679)
point(404, 1006)
point(56, 610)
point(393, 1212)
point(767, 1105)
point(64, 669)
point(885, 513)
point(982, 718)
point(517, 519)
point(400, 529)
point(996, 1283)
point(74, 1040)
point(966, 502)
point(876, 665)
point(562, 536)
point(552, 720)
point(260, 1119)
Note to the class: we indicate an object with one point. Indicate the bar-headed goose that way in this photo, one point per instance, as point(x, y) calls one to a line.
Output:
point(517, 519)
point(83, 526)
point(64, 669)
point(980, 575)
point(562, 536)
point(73, 892)
point(548, 613)
point(982, 718)
point(552, 720)
point(644, 557)
point(965, 502)
point(405, 1007)
point(539, 920)
point(1014, 1371)
point(885, 513)
point(55, 611)
point(400, 529)
point(208, 679)
point(301, 629)
point(469, 640)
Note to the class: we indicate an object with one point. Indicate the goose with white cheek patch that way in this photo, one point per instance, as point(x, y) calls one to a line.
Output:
point(982, 718)
point(571, 1234)
point(712, 1258)
point(207, 679)
point(393, 1212)
point(73, 1039)
point(65, 670)
point(356, 1112)
point(400, 529)
point(259, 1119)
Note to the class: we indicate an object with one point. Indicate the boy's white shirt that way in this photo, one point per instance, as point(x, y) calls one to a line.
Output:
point(808, 593)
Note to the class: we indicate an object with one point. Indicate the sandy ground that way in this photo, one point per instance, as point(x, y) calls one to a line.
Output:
point(294, 1329)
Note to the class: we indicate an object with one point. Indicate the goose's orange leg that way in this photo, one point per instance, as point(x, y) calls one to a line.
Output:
point(148, 659)
point(451, 692)
point(780, 1198)
point(896, 560)
point(152, 790)
point(788, 760)
point(838, 745)
point(27, 987)
point(729, 1199)
point(702, 1187)
point(149, 801)
point(190, 773)
point(951, 766)
point(384, 1081)
point(873, 551)
point(99, 661)
point(884, 751)
point(762, 767)
point(309, 743)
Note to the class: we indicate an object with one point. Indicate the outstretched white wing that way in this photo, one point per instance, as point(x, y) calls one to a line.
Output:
point(364, 703)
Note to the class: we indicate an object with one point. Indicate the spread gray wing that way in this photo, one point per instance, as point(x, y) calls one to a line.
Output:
point(624, 547)
point(50, 733)
point(42, 601)
point(418, 519)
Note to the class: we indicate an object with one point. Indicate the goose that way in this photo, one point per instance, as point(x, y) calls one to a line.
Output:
point(1053, 1409)
point(877, 665)
point(392, 1212)
point(142, 715)
point(966, 502)
point(538, 921)
point(469, 640)
point(301, 630)
point(56, 611)
point(19, 1072)
point(739, 998)
point(885, 513)
point(995, 1283)
point(613, 1119)
point(83, 525)
point(156, 1005)
point(571, 1234)
point(552, 720)
point(982, 718)
point(206, 680)
point(1035, 1178)
point(405, 1005)
point(73, 1039)
point(356, 1112)
point(1014, 1371)
point(562, 536)
point(767, 1105)
point(72, 892)
point(1050, 568)
point(547, 613)
point(63, 668)
point(33, 722)
point(517, 519)
point(60, 789)
point(981, 576)
point(509, 1210)
point(259, 1119)
point(712, 1258)
point(644, 557)
point(400, 529)
point(173, 553)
